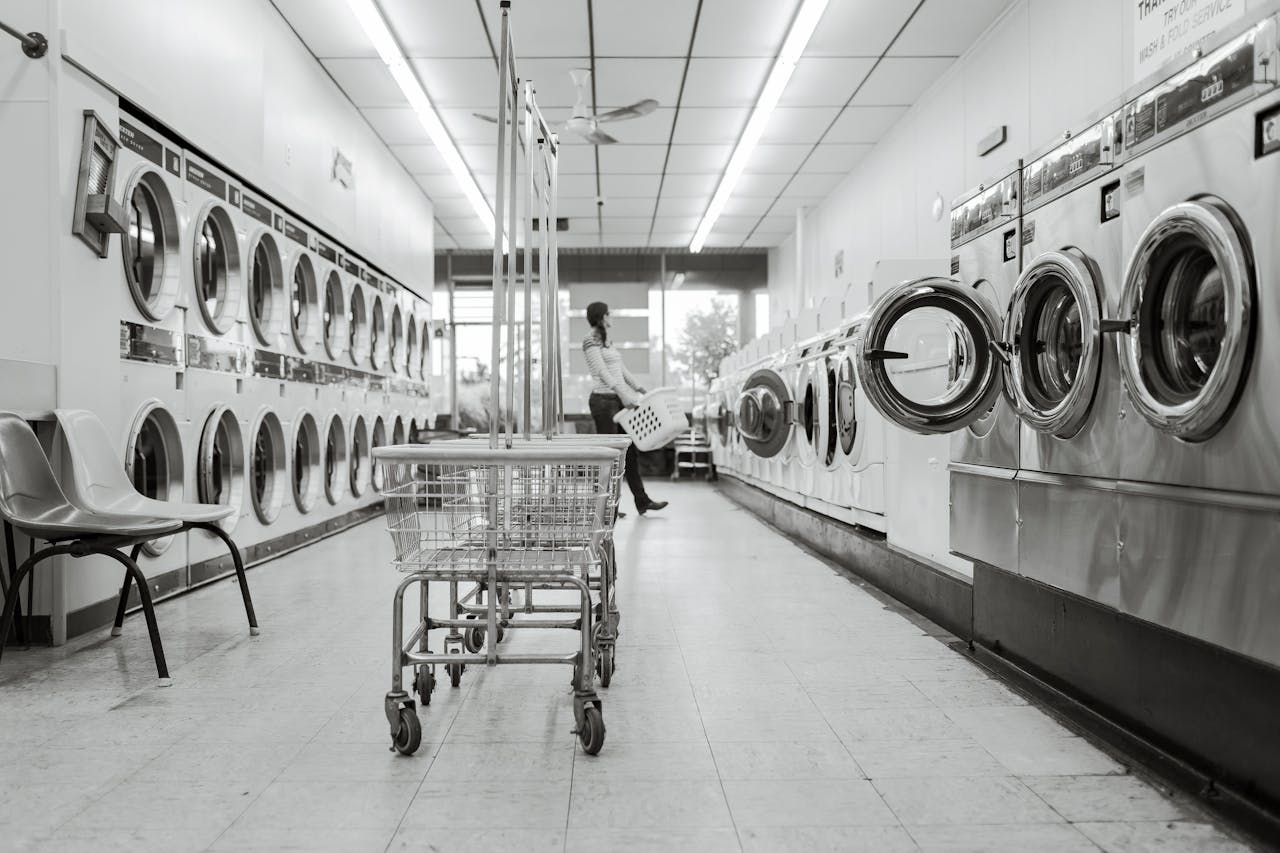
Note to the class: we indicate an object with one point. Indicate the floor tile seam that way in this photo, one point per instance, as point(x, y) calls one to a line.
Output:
point(258, 796)
point(827, 720)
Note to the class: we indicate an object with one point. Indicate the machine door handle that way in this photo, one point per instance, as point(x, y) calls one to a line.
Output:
point(1000, 350)
point(1110, 327)
point(885, 354)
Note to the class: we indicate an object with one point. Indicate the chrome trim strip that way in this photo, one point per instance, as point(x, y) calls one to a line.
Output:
point(1197, 495)
point(982, 470)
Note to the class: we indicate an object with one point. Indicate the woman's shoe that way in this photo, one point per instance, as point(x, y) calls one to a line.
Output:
point(651, 505)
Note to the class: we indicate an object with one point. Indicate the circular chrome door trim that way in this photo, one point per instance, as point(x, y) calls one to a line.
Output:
point(219, 467)
point(396, 342)
point(336, 469)
point(377, 334)
point(845, 411)
point(974, 399)
point(220, 265)
point(764, 413)
point(1068, 416)
point(266, 322)
point(267, 462)
point(303, 288)
point(808, 408)
point(169, 484)
point(163, 246)
point(412, 358)
point(333, 315)
point(305, 470)
point(1207, 224)
point(358, 466)
point(377, 438)
point(357, 325)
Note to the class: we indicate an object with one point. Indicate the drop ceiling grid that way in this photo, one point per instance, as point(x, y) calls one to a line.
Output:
point(705, 61)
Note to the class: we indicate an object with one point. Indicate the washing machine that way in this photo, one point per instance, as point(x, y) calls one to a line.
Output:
point(814, 484)
point(765, 415)
point(1200, 425)
point(855, 447)
point(1062, 373)
point(360, 458)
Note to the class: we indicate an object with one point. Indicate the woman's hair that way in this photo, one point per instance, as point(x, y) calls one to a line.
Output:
point(595, 316)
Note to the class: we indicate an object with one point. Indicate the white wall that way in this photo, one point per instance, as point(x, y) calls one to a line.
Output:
point(1043, 67)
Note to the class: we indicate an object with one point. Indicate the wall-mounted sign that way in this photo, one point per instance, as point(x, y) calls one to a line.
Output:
point(839, 265)
point(1166, 29)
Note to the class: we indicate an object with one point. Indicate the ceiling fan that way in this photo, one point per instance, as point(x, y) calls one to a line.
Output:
point(582, 123)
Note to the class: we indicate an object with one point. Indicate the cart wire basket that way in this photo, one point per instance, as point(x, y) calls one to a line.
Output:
point(506, 516)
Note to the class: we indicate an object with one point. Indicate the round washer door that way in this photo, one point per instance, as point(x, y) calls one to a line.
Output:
point(926, 359)
point(1054, 335)
point(843, 381)
point(1189, 297)
point(764, 413)
point(810, 402)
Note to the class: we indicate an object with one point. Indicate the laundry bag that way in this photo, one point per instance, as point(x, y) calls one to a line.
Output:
point(656, 419)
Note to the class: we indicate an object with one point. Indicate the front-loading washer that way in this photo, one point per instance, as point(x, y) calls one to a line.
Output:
point(1063, 376)
point(856, 449)
point(1199, 487)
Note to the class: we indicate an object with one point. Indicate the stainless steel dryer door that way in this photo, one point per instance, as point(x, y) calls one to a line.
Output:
point(765, 413)
point(1054, 335)
point(1189, 297)
point(927, 359)
point(844, 406)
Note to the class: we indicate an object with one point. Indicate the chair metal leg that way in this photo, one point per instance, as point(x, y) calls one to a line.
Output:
point(11, 557)
point(239, 564)
point(15, 588)
point(118, 627)
point(148, 610)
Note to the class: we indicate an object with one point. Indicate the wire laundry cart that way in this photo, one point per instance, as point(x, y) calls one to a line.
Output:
point(462, 512)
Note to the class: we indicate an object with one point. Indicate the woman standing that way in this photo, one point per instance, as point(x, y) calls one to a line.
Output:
point(614, 388)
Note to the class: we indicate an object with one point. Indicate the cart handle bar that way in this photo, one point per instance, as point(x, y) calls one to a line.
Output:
point(470, 453)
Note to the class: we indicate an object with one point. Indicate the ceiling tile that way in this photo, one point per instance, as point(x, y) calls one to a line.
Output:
point(327, 27)
point(367, 82)
point(747, 205)
point(683, 186)
point(814, 184)
point(577, 185)
point(583, 225)
point(864, 124)
point(857, 28)
point(649, 28)
point(776, 223)
point(576, 160)
point(396, 125)
point(742, 27)
point(453, 208)
point(454, 82)
point(572, 240)
point(466, 128)
point(736, 224)
point(620, 82)
point(947, 28)
point(627, 224)
point(824, 81)
point(481, 159)
point(778, 158)
point(680, 239)
point(785, 205)
point(463, 225)
point(443, 242)
point(435, 27)
point(642, 206)
point(673, 224)
point(723, 241)
point(629, 186)
point(725, 82)
point(798, 124)
point(439, 186)
point(710, 125)
point(760, 185)
point(576, 207)
point(632, 159)
point(837, 156)
point(767, 240)
point(698, 159)
point(682, 206)
point(421, 159)
point(541, 28)
point(901, 80)
point(653, 129)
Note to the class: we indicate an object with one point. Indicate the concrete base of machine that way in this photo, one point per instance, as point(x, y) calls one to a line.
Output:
point(179, 581)
point(1202, 716)
point(933, 591)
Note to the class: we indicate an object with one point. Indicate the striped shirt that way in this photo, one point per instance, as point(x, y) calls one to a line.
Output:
point(605, 364)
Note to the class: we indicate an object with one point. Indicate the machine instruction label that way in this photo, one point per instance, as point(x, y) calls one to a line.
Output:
point(256, 210)
point(296, 234)
point(139, 143)
point(351, 267)
point(327, 252)
point(1166, 29)
point(210, 183)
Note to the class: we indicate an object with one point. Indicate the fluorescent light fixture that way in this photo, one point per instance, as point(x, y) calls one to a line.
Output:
point(375, 27)
point(802, 27)
point(677, 281)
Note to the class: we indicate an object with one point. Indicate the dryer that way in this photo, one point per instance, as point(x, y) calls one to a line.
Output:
point(856, 448)
point(813, 431)
point(1063, 375)
point(1199, 484)
point(765, 415)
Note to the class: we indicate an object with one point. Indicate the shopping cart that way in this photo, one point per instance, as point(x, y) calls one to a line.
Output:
point(471, 603)
point(459, 512)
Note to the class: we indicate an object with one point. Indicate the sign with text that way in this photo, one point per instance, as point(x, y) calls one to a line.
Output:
point(1166, 29)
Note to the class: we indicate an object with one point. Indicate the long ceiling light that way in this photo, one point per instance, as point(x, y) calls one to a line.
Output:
point(802, 27)
point(375, 27)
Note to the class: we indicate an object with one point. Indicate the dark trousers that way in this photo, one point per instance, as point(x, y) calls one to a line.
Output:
point(603, 407)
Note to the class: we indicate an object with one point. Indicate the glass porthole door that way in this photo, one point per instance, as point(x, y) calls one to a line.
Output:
point(765, 413)
point(220, 463)
point(151, 245)
point(1190, 302)
point(930, 358)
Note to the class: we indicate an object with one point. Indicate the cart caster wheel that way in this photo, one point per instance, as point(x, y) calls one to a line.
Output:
point(604, 665)
point(473, 640)
point(455, 672)
point(502, 633)
point(591, 732)
point(409, 738)
point(424, 684)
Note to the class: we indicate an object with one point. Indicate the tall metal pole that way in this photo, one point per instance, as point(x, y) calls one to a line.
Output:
point(499, 260)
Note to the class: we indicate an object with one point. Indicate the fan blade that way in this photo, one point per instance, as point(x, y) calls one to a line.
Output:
point(598, 137)
point(483, 117)
point(639, 108)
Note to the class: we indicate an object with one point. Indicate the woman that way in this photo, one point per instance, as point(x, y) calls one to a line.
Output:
point(614, 388)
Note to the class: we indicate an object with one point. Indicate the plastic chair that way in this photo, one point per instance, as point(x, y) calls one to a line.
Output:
point(33, 502)
point(98, 483)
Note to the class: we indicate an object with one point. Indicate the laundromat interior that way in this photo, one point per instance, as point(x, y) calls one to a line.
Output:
point(559, 425)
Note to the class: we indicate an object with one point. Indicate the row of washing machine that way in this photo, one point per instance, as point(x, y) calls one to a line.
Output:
point(259, 361)
point(1103, 354)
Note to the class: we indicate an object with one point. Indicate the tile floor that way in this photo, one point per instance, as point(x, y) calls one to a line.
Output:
point(762, 702)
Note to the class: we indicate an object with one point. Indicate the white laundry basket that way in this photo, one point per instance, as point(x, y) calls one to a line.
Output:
point(656, 419)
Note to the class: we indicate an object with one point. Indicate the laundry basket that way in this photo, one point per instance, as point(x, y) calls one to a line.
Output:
point(656, 419)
